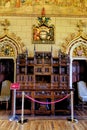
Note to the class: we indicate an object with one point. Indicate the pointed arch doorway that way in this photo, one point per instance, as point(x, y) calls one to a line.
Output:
point(78, 60)
point(76, 48)
point(10, 47)
point(7, 69)
point(78, 64)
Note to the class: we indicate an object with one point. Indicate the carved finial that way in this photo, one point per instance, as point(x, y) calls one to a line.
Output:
point(5, 24)
point(43, 11)
point(80, 26)
point(43, 20)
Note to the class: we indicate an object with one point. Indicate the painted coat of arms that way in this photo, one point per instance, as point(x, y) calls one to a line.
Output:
point(43, 32)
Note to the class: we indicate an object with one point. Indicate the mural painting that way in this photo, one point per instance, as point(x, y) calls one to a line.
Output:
point(73, 7)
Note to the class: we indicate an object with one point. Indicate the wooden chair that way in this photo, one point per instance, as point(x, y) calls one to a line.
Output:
point(5, 92)
point(82, 92)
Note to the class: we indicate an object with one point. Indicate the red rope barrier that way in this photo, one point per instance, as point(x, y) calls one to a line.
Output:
point(34, 100)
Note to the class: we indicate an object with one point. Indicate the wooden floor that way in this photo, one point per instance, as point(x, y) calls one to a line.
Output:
point(44, 122)
point(43, 125)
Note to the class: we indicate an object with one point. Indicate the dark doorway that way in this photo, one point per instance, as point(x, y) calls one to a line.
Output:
point(7, 69)
point(79, 73)
point(6, 73)
point(79, 70)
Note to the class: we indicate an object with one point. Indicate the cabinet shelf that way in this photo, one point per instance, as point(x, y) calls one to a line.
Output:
point(41, 77)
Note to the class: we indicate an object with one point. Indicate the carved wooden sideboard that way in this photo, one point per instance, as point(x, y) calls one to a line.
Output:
point(44, 78)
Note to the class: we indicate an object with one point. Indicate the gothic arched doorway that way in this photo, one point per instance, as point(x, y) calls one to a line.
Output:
point(78, 64)
point(10, 47)
point(7, 69)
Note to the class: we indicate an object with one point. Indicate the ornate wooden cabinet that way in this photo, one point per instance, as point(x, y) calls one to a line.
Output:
point(45, 79)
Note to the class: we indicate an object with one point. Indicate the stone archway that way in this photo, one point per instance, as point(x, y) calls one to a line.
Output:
point(77, 51)
point(76, 47)
point(10, 47)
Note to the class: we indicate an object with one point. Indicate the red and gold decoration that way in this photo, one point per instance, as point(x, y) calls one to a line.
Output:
point(43, 32)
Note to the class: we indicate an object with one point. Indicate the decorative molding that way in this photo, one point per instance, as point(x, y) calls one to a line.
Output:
point(77, 45)
point(10, 44)
point(5, 24)
point(80, 26)
point(75, 38)
point(80, 51)
point(7, 50)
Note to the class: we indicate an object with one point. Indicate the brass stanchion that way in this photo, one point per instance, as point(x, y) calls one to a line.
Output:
point(72, 119)
point(14, 117)
point(22, 120)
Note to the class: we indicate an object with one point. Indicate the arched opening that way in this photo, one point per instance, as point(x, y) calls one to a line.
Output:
point(79, 70)
point(78, 64)
point(7, 69)
point(6, 74)
point(79, 73)
point(10, 47)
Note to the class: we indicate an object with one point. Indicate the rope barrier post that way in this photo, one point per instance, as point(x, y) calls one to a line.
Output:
point(14, 117)
point(22, 111)
point(72, 109)
point(72, 119)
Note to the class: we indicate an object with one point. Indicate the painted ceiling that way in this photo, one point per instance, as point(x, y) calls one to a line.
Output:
point(52, 7)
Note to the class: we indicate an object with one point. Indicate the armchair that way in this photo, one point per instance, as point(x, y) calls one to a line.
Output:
point(5, 92)
point(82, 92)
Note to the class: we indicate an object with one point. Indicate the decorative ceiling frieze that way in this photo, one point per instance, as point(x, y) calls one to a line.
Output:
point(53, 7)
